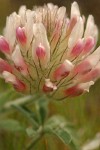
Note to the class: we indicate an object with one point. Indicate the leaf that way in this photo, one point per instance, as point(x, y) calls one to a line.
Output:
point(54, 122)
point(11, 125)
point(63, 135)
point(58, 126)
point(28, 114)
point(31, 132)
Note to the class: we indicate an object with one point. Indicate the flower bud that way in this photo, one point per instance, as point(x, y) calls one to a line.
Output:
point(77, 49)
point(4, 66)
point(74, 91)
point(20, 34)
point(4, 46)
point(63, 70)
point(49, 86)
point(88, 45)
point(40, 45)
point(74, 36)
point(40, 52)
point(87, 64)
point(93, 75)
point(82, 68)
point(19, 61)
point(10, 78)
point(78, 89)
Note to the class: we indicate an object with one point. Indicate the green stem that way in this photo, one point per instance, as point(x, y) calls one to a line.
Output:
point(36, 139)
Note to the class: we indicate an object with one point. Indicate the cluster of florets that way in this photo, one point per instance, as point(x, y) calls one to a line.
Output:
point(48, 52)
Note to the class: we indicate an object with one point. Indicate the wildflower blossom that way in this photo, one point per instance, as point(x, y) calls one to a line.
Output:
point(48, 52)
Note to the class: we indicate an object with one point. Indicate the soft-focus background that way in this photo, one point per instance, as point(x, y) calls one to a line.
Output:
point(83, 112)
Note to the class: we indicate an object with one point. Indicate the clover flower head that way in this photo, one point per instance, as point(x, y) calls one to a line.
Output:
point(47, 51)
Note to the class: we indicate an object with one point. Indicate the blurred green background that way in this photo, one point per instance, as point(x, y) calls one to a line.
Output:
point(83, 112)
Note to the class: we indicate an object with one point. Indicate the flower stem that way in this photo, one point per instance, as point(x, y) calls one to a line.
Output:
point(35, 140)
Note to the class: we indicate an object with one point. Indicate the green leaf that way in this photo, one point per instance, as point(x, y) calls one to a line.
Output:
point(63, 135)
point(58, 126)
point(11, 125)
point(31, 132)
point(28, 114)
point(54, 122)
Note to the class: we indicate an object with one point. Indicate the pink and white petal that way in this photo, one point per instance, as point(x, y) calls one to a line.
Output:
point(72, 23)
point(93, 75)
point(29, 26)
point(5, 66)
point(59, 20)
point(53, 14)
point(12, 22)
point(76, 33)
point(21, 36)
point(4, 45)
point(86, 86)
point(82, 68)
point(91, 28)
point(87, 64)
point(95, 34)
point(51, 6)
point(40, 52)
point(10, 78)
point(94, 58)
point(75, 12)
point(77, 49)
point(89, 44)
point(61, 14)
point(78, 89)
point(73, 91)
point(49, 86)
point(40, 36)
point(22, 14)
point(63, 70)
point(19, 61)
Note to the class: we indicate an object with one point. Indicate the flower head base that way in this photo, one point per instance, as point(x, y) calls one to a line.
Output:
point(50, 53)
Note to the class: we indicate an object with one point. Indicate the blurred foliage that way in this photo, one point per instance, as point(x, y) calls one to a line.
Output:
point(83, 112)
